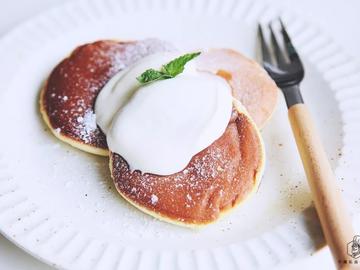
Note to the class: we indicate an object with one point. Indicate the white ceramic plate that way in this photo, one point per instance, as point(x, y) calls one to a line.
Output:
point(60, 205)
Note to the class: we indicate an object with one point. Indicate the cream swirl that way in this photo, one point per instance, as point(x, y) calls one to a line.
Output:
point(158, 127)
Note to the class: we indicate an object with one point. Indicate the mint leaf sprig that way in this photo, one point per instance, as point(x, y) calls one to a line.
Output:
point(167, 71)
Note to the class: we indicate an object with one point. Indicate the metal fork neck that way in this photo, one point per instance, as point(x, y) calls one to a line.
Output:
point(292, 95)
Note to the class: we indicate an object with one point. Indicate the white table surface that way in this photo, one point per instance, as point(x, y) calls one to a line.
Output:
point(337, 18)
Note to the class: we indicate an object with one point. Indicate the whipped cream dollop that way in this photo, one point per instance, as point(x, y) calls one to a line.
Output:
point(158, 127)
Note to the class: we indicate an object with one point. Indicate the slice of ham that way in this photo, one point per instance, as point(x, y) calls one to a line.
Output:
point(250, 83)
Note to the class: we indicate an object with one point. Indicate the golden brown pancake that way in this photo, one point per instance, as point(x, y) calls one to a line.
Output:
point(216, 180)
point(250, 83)
point(68, 96)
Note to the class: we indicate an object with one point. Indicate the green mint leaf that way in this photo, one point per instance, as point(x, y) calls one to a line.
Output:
point(176, 66)
point(170, 70)
point(149, 76)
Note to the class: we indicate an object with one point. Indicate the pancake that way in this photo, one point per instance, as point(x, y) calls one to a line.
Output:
point(250, 83)
point(216, 179)
point(68, 96)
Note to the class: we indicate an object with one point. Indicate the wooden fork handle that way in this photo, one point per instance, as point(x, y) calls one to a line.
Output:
point(334, 219)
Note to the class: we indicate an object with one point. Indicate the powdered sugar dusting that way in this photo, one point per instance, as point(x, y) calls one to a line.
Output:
point(186, 187)
point(135, 51)
point(154, 199)
point(87, 125)
point(216, 177)
point(75, 83)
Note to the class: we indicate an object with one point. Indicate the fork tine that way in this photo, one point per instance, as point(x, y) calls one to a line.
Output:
point(279, 55)
point(266, 56)
point(289, 46)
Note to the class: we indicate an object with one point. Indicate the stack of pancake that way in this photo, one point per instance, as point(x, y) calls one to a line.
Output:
point(216, 179)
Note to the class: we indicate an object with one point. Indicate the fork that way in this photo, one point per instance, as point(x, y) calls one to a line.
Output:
point(286, 69)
